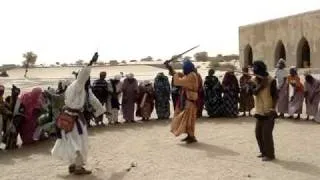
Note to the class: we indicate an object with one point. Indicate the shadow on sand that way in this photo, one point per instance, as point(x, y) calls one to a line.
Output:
point(76, 177)
point(211, 150)
point(24, 153)
point(301, 167)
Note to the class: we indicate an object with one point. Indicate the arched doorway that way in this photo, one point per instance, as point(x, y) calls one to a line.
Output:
point(303, 54)
point(248, 56)
point(280, 52)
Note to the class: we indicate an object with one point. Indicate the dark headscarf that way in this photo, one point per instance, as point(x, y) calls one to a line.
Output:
point(229, 79)
point(211, 72)
point(293, 71)
point(260, 68)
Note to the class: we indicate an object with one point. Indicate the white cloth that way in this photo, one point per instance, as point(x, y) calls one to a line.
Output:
point(66, 147)
point(75, 96)
point(280, 75)
point(114, 115)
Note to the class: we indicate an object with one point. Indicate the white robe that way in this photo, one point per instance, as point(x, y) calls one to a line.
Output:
point(75, 97)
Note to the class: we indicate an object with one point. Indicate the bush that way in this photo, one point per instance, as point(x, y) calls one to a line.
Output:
point(223, 67)
point(114, 63)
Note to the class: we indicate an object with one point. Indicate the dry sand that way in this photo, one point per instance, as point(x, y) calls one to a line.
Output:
point(226, 150)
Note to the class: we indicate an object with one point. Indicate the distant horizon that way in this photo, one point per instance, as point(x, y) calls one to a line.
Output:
point(66, 31)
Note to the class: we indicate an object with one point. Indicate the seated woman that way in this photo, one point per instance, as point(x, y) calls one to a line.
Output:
point(297, 97)
point(145, 100)
point(46, 122)
point(30, 105)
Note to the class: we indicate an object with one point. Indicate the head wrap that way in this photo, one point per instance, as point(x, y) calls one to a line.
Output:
point(293, 71)
point(130, 76)
point(260, 68)
point(187, 66)
point(117, 77)
point(281, 63)
point(211, 72)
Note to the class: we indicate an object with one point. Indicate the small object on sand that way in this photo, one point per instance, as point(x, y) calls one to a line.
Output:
point(134, 164)
point(249, 176)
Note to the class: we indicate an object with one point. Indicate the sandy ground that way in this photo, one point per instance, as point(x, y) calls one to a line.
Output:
point(226, 150)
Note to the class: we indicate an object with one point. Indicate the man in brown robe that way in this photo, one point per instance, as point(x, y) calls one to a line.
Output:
point(185, 113)
point(129, 97)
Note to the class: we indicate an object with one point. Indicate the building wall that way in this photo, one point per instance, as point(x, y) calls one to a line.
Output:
point(263, 38)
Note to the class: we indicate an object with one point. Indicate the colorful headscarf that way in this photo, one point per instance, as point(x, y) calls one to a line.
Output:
point(31, 101)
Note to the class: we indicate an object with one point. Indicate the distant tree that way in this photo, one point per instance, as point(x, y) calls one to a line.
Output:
point(124, 62)
point(80, 62)
point(64, 65)
point(201, 56)
point(133, 60)
point(100, 63)
point(57, 63)
point(114, 62)
point(147, 59)
point(159, 60)
point(30, 59)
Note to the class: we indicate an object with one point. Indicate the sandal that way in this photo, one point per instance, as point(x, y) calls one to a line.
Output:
point(82, 171)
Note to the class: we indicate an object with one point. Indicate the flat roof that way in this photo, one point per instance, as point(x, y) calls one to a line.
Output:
point(281, 18)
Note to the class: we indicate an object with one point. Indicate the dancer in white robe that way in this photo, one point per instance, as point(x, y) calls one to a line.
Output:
point(72, 147)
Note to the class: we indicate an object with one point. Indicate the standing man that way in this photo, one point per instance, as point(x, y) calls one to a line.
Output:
point(185, 114)
point(100, 90)
point(72, 143)
point(265, 91)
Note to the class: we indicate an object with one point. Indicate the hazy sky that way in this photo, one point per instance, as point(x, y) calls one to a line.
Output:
point(68, 30)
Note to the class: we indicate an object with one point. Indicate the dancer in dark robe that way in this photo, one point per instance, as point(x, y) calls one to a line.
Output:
point(230, 87)
point(213, 95)
point(129, 97)
point(100, 90)
point(162, 96)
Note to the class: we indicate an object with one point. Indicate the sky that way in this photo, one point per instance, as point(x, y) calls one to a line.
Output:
point(69, 30)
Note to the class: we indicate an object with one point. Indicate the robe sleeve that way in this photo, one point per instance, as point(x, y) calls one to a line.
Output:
point(184, 81)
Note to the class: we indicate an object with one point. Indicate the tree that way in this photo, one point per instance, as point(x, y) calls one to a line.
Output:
point(159, 60)
point(80, 62)
point(30, 59)
point(64, 65)
point(201, 56)
point(57, 63)
point(147, 59)
point(124, 62)
point(114, 62)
